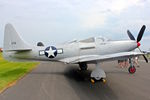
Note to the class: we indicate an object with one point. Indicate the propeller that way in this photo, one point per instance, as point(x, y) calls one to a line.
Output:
point(144, 56)
point(139, 37)
point(130, 35)
point(141, 33)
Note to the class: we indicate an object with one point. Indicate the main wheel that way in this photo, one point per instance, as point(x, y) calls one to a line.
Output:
point(92, 80)
point(83, 66)
point(132, 69)
point(104, 80)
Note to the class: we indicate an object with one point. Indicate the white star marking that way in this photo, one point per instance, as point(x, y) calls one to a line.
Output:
point(51, 52)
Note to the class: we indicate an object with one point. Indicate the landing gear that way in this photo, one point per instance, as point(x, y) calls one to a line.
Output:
point(101, 80)
point(132, 68)
point(83, 66)
point(92, 81)
point(104, 80)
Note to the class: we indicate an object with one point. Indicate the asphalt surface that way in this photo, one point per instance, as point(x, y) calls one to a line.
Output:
point(57, 81)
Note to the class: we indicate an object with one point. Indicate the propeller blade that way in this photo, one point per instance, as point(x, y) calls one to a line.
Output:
point(130, 35)
point(141, 33)
point(144, 56)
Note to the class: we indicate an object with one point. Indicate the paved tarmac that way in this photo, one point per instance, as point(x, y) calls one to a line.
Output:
point(57, 81)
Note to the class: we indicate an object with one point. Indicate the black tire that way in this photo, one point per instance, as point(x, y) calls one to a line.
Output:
point(132, 69)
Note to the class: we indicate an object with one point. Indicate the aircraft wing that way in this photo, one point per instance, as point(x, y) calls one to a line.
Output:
point(100, 58)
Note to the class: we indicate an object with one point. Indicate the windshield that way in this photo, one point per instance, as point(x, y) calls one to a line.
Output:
point(102, 39)
point(89, 40)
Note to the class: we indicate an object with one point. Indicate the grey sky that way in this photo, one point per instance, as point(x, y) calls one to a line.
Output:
point(56, 21)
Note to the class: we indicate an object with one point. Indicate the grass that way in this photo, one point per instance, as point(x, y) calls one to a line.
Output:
point(12, 71)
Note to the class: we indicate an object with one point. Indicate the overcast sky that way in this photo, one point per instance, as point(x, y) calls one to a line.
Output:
point(56, 21)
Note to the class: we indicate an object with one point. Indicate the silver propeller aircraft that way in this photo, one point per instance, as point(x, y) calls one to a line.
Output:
point(83, 52)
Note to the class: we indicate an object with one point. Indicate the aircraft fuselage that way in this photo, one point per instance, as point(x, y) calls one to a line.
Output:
point(72, 50)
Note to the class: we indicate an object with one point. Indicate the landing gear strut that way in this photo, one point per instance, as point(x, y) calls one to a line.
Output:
point(132, 68)
point(83, 66)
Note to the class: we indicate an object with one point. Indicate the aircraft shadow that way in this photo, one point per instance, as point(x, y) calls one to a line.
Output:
point(80, 82)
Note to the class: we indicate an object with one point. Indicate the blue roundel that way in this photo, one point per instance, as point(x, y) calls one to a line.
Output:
point(50, 52)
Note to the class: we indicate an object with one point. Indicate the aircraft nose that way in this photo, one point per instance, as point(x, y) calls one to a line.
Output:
point(132, 45)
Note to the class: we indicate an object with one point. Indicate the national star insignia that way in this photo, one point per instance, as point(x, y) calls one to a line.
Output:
point(51, 52)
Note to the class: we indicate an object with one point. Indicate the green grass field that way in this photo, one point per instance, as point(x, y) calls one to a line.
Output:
point(12, 71)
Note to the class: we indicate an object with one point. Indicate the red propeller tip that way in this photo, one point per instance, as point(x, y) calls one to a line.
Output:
point(138, 44)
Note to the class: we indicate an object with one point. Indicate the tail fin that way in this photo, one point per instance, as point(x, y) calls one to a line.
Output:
point(12, 40)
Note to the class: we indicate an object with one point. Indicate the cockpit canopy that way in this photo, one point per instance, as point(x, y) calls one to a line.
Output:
point(90, 40)
point(93, 39)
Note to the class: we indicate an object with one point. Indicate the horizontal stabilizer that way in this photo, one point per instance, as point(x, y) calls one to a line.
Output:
point(19, 50)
